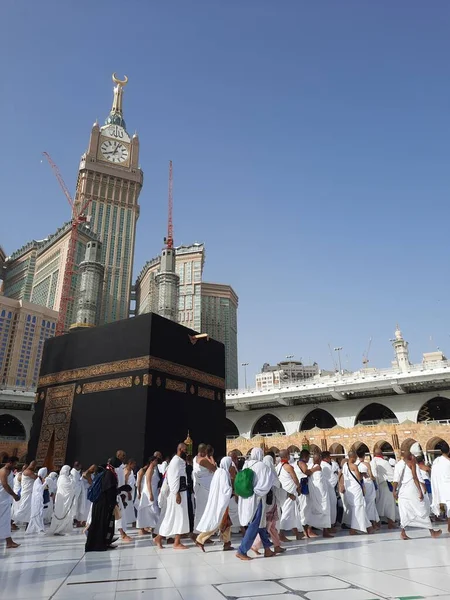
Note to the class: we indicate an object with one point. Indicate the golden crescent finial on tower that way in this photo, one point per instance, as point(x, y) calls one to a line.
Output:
point(120, 82)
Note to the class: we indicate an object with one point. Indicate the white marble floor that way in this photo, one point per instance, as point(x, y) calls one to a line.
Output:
point(347, 568)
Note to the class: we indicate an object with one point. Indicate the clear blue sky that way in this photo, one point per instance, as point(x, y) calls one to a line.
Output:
point(310, 143)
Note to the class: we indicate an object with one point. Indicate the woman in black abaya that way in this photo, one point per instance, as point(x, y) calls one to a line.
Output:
point(100, 535)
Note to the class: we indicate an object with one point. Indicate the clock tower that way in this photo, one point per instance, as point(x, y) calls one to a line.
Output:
point(109, 174)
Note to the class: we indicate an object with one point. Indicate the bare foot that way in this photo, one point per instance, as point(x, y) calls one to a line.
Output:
point(14, 527)
point(283, 538)
point(12, 545)
point(353, 532)
point(279, 550)
point(126, 538)
point(370, 530)
point(158, 541)
point(392, 526)
point(243, 556)
point(268, 553)
point(310, 533)
point(143, 532)
point(404, 536)
point(180, 547)
point(327, 534)
point(201, 546)
point(435, 533)
point(299, 536)
point(333, 530)
point(256, 551)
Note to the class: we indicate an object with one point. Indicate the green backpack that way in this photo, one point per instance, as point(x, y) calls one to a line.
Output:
point(243, 483)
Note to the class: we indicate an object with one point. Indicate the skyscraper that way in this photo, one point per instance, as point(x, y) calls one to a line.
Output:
point(219, 320)
point(109, 173)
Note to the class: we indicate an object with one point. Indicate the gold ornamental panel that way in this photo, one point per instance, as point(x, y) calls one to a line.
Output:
point(107, 385)
point(206, 393)
point(176, 386)
point(55, 424)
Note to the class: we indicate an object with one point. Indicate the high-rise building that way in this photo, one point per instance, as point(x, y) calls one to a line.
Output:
point(2, 265)
point(205, 307)
point(24, 327)
point(109, 173)
point(219, 319)
point(90, 284)
point(286, 371)
point(189, 262)
point(35, 272)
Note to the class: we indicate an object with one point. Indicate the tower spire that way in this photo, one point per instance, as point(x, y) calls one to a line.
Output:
point(169, 238)
point(115, 116)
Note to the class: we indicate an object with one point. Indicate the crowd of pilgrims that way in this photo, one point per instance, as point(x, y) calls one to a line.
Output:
point(262, 498)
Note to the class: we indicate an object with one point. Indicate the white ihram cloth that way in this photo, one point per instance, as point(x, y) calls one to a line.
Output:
point(162, 503)
point(233, 510)
point(5, 509)
point(202, 482)
point(262, 484)
point(148, 512)
point(370, 493)
point(23, 512)
point(290, 509)
point(16, 487)
point(331, 480)
point(413, 511)
point(84, 506)
point(354, 500)
point(50, 484)
point(79, 500)
point(130, 515)
point(36, 524)
point(176, 518)
point(218, 499)
point(302, 499)
point(62, 520)
point(318, 502)
point(121, 523)
point(383, 472)
point(440, 484)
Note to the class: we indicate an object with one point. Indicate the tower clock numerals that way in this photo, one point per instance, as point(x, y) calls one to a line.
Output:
point(114, 151)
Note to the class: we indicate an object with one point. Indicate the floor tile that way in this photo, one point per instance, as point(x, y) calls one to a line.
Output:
point(432, 577)
point(252, 588)
point(161, 580)
point(389, 585)
point(349, 595)
point(277, 597)
point(188, 576)
point(253, 571)
point(164, 594)
point(309, 584)
point(203, 592)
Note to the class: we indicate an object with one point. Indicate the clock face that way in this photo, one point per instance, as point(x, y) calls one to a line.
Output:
point(114, 151)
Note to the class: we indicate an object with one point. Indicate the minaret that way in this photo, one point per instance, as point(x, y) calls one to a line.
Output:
point(401, 351)
point(91, 273)
point(167, 280)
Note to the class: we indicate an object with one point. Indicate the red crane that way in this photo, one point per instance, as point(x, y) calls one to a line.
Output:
point(169, 239)
point(78, 217)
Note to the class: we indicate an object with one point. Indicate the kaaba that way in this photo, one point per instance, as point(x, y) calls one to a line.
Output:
point(139, 385)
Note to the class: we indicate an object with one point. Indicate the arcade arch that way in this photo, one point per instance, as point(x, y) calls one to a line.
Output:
point(434, 446)
point(406, 444)
point(231, 431)
point(337, 450)
point(318, 418)
point(238, 452)
point(436, 409)
point(386, 448)
point(313, 449)
point(275, 450)
point(293, 449)
point(268, 424)
point(11, 427)
point(357, 446)
point(373, 413)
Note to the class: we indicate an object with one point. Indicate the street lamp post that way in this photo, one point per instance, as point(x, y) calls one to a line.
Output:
point(245, 365)
point(290, 357)
point(338, 350)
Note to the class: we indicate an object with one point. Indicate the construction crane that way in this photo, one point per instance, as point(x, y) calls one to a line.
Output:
point(78, 217)
point(366, 354)
point(169, 239)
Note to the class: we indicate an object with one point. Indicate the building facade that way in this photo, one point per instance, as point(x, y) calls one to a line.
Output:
point(24, 327)
point(289, 370)
point(189, 263)
point(2, 266)
point(219, 319)
point(109, 174)
point(35, 272)
point(90, 285)
point(393, 407)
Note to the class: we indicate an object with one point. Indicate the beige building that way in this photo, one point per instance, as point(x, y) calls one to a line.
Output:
point(219, 319)
point(24, 327)
point(110, 175)
point(2, 265)
point(189, 262)
point(35, 272)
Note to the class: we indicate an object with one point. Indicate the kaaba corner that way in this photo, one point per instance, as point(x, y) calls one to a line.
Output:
point(139, 384)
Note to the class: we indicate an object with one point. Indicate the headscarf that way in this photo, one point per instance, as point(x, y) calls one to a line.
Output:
point(257, 454)
point(65, 485)
point(50, 482)
point(42, 472)
point(218, 498)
